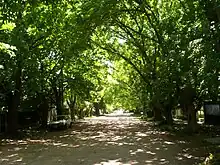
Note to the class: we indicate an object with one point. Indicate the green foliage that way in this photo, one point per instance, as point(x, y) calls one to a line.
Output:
point(45, 55)
point(132, 54)
point(213, 159)
point(165, 44)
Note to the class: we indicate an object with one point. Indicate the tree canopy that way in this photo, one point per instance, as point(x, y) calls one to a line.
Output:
point(143, 55)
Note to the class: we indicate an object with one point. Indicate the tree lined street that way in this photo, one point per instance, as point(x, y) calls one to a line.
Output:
point(65, 60)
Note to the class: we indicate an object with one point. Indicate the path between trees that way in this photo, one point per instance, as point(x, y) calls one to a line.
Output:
point(105, 140)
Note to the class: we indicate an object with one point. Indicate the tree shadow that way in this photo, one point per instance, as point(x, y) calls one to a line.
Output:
point(122, 141)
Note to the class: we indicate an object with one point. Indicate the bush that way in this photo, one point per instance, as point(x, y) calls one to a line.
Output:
point(200, 115)
point(212, 160)
point(182, 117)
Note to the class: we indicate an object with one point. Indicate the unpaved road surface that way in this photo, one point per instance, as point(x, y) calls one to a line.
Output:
point(106, 140)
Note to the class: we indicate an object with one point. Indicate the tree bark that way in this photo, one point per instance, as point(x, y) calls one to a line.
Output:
point(71, 103)
point(187, 99)
point(58, 100)
point(102, 105)
point(168, 115)
point(81, 113)
point(192, 121)
point(44, 108)
point(157, 114)
point(59, 105)
point(13, 103)
point(12, 115)
point(97, 109)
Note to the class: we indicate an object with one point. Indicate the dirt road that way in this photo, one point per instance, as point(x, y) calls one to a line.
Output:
point(107, 140)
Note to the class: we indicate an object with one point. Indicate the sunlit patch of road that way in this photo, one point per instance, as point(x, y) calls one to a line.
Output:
point(119, 115)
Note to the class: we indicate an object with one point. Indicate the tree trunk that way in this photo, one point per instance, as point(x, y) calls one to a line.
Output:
point(59, 105)
point(192, 121)
point(58, 100)
point(44, 108)
point(102, 105)
point(183, 108)
point(81, 113)
point(157, 114)
point(13, 104)
point(71, 103)
point(168, 115)
point(97, 109)
point(91, 111)
point(12, 115)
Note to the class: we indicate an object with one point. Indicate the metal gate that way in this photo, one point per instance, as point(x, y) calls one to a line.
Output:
point(212, 113)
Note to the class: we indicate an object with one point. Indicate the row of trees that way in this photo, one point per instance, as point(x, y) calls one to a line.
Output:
point(45, 59)
point(157, 55)
point(172, 48)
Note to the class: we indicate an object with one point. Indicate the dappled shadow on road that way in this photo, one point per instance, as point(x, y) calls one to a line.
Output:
point(105, 140)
